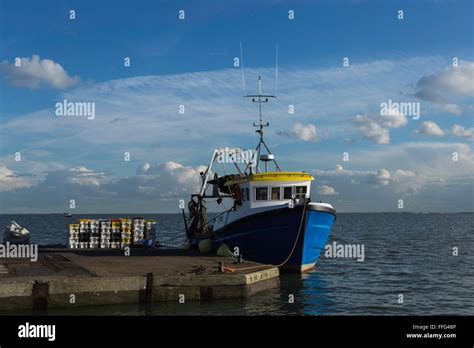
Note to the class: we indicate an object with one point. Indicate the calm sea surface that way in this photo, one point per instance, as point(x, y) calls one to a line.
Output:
point(408, 254)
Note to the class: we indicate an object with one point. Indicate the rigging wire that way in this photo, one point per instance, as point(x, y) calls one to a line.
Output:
point(230, 269)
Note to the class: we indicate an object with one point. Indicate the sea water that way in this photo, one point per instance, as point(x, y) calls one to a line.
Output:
point(414, 264)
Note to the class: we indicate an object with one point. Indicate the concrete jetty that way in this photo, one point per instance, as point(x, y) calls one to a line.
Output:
point(70, 278)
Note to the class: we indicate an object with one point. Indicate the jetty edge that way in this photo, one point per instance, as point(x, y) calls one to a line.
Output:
point(75, 278)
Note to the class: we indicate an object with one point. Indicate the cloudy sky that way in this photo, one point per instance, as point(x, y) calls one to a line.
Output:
point(339, 64)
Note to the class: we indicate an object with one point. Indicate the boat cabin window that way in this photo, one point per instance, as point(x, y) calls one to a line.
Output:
point(275, 194)
point(261, 193)
point(247, 193)
point(300, 191)
point(287, 192)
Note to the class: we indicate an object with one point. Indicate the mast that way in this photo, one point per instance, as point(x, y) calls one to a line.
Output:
point(260, 99)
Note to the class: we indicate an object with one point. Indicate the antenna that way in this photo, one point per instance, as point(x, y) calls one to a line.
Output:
point(276, 71)
point(260, 99)
point(242, 66)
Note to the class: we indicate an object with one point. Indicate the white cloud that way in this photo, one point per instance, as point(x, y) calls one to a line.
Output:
point(137, 113)
point(460, 131)
point(156, 188)
point(400, 174)
point(453, 79)
point(326, 190)
point(142, 169)
point(25, 173)
point(10, 181)
point(35, 72)
point(304, 132)
point(397, 181)
point(434, 172)
point(433, 159)
point(80, 175)
point(393, 118)
point(371, 129)
point(444, 86)
point(165, 180)
point(410, 183)
point(451, 108)
point(383, 177)
point(430, 128)
point(376, 127)
point(140, 109)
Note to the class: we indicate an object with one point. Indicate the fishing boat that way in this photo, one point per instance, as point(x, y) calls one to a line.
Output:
point(271, 218)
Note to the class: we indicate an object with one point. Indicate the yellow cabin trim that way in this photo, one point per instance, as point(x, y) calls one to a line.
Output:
point(273, 176)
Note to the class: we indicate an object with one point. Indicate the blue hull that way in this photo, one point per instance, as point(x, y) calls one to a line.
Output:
point(270, 237)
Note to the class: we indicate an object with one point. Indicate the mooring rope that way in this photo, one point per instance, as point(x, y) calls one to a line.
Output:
point(230, 269)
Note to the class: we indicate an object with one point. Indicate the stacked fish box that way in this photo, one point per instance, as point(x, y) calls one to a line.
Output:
point(138, 230)
point(84, 232)
point(115, 233)
point(126, 236)
point(105, 233)
point(94, 237)
point(74, 236)
point(150, 230)
point(111, 233)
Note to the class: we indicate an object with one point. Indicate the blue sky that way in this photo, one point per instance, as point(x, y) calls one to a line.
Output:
point(190, 62)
